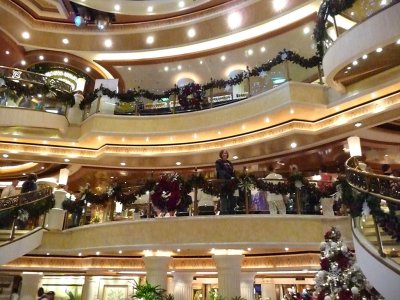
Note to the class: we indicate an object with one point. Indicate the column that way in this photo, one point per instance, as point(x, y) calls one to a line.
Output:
point(31, 282)
point(183, 285)
point(90, 288)
point(247, 285)
point(268, 290)
point(55, 217)
point(156, 269)
point(228, 267)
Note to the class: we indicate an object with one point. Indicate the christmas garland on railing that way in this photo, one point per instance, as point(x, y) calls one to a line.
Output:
point(327, 8)
point(22, 89)
point(196, 90)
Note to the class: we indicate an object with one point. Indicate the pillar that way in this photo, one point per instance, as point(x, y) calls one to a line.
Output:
point(268, 291)
point(183, 285)
point(31, 281)
point(156, 269)
point(228, 267)
point(90, 288)
point(247, 285)
point(55, 219)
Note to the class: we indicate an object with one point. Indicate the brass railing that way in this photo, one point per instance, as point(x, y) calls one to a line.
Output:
point(382, 196)
point(12, 209)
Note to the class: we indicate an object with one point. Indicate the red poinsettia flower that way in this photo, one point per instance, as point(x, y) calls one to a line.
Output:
point(324, 264)
point(345, 295)
point(342, 261)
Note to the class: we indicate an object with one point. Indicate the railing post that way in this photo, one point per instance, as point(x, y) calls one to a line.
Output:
point(249, 87)
point(379, 239)
point(12, 234)
point(195, 202)
point(320, 74)
point(174, 103)
point(211, 97)
point(298, 201)
point(246, 196)
point(287, 70)
point(98, 104)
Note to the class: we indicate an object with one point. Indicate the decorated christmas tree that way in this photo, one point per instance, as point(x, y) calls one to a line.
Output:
point(340, 277)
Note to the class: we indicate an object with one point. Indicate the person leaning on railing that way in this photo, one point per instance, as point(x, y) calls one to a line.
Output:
point(30, 184)
point(225, 171)
point(10, 190)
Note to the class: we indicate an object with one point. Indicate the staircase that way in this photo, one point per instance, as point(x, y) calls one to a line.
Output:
point(390, 247)
point(5, 235)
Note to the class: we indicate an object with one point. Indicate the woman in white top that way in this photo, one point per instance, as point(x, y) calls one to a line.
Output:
point(275, 201)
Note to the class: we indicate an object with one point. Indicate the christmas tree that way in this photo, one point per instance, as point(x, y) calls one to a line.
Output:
point(340, 277)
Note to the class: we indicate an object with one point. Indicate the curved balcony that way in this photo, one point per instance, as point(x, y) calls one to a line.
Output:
point(376, 231)
point(20, 228)
point(381, 30)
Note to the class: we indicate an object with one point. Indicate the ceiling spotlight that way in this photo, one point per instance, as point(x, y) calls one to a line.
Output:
point(250, 52)
point(279, 4)
point(150, 40)
point(102, 21)
point(41, 57)
point(5, 155)
point(7, 52)
point(306, 30)
point(358, 124)
point(181, 4)
point(26, 35)
point(117, 7)
point(223, 57)
point(66, 160)
point(179, 67)
point(234, 20)
point(88, 69)
point(150, 9)
point(178, 163)
point(293, 145)
point(123, 164)
point(108, 43)
point(66, 59)
point(235, 157)
point(191, 32)
point(263, 49)
point(166, 68)
point(355, 63)
point(379, 50)
point(365, 56)
point(65, 41)
point(23, 62)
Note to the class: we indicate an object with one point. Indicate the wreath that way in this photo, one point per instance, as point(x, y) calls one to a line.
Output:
point(167, 194)
point(195, 91)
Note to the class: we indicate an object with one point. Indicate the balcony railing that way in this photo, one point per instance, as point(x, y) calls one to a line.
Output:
point(376, 209)
point(28, 90)
point(22, 212)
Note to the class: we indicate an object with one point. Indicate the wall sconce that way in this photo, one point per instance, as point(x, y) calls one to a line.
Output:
point(63, 177)
point(354, 146)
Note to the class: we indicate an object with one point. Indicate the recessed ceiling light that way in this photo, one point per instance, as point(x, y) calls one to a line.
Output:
point(150, 40)
point(108, 43)
point(250, 52)
point(248, 249)
point(23, 174)
point(129, 68)
point(178, 163)
point(279, 4)
point(267, 120)
point(41, 57)
point(243, 127)
point(348, 68)
point(306, 30)
point(379, 50)
point(123, 164)
point(201, 62)
point(286, 249)
point(355, 63)
point(26, 35)
point(352, 13)
point(223, 57)
point(181, 4)
point(88, 69)
point(42, 168)
point(262, 49)
point(291, 111)
point(191, 32)
point(66, 160)
point(23, 62)
point(79, 254)
point(47, 253)
point(44, 142)
point(97, 252)
point(398, 42)
point(234, 20)
point(386, 155)
point(5, 155)
point(147, 139)
point(383, 2)
point(150, 9)
point(195, 135)
point(179, 67)
point(66, 59)
point(120, 252)
point(219, 132)
point(65, 41)
point(235, 157)
point(166, 68)
point(365, 56)
point(117, 7)
point(293, 145)
point(178, 250)
point(358, 124)
point(7, 52)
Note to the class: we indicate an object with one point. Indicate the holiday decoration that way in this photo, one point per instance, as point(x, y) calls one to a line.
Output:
point(340, 277)
point(167, 194)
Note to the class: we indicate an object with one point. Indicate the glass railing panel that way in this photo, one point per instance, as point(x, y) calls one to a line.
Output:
point(28, 90)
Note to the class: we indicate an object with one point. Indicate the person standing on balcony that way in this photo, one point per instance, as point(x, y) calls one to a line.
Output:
point(10, 190)
point(276, 202)
point(30, 184)
point(225, 171)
